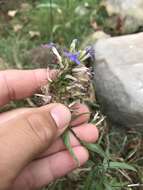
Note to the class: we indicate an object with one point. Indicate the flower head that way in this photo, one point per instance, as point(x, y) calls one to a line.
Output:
point(73, 57)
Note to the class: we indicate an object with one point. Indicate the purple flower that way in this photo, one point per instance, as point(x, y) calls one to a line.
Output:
point(90, 50)
point(73, 56)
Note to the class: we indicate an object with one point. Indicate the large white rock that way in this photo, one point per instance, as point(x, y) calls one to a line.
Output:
point(119, 79)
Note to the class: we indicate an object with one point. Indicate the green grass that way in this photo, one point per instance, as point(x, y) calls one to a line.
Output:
point(118, 153)
point(115, 162)
point(57, 22)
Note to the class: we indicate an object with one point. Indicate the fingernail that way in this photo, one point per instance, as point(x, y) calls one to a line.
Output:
point(61, 115)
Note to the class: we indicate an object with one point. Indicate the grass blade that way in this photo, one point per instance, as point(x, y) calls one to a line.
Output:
point(66, 139)
point(48, 5)
point(95, 148)
point(88, 181)
point(120, 165)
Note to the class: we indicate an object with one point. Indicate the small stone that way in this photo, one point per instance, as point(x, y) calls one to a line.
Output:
point(119, 79)
point(12, 13)
point(93, 38)
point(34, 34)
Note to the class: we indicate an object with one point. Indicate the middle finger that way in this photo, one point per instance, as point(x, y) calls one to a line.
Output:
point(85, 132)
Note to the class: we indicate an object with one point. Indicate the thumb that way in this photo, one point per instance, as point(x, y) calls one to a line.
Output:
point(24, 136)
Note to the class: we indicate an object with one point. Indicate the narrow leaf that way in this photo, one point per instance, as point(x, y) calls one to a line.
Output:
point(89, 181)
point(47, 5)
point(95, 148)
point(108, 187)
point(66, 140)
point(120, 165)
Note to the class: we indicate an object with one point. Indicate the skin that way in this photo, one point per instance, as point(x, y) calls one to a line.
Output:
point(32, 152)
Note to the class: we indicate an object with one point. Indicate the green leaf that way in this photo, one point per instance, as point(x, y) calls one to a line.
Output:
point(95, 148)
point(108, 187)
point(55, 28)
point(66, 139)
point(73, 46)
point(89, 181)
point(120, 165)
point(47, 5)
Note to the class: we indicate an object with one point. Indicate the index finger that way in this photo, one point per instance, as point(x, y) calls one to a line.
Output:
point(18, 84)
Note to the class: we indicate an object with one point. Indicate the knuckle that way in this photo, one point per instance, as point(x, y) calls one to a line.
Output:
point(9, 91)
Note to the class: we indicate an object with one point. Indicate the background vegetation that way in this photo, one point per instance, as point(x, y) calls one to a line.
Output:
point(117, 159)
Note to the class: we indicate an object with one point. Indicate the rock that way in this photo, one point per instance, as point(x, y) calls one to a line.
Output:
point(92, 38)
point(128, 12)
point(119, 79)
point(40, 57)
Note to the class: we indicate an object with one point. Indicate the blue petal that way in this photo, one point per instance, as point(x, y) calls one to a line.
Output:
point(73, 57)
point(77, 62)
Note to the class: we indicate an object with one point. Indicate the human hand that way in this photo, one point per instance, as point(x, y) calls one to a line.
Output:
point(32, 153)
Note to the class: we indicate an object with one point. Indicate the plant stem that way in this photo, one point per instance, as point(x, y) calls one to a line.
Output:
point(51, 21)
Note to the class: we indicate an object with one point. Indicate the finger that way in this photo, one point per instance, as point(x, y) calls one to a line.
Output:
point(24, 137)
point(42, 172)
point(86, 132)
point(81, 114)
point(79, 109)
point(6, 116)
point(18, 84)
